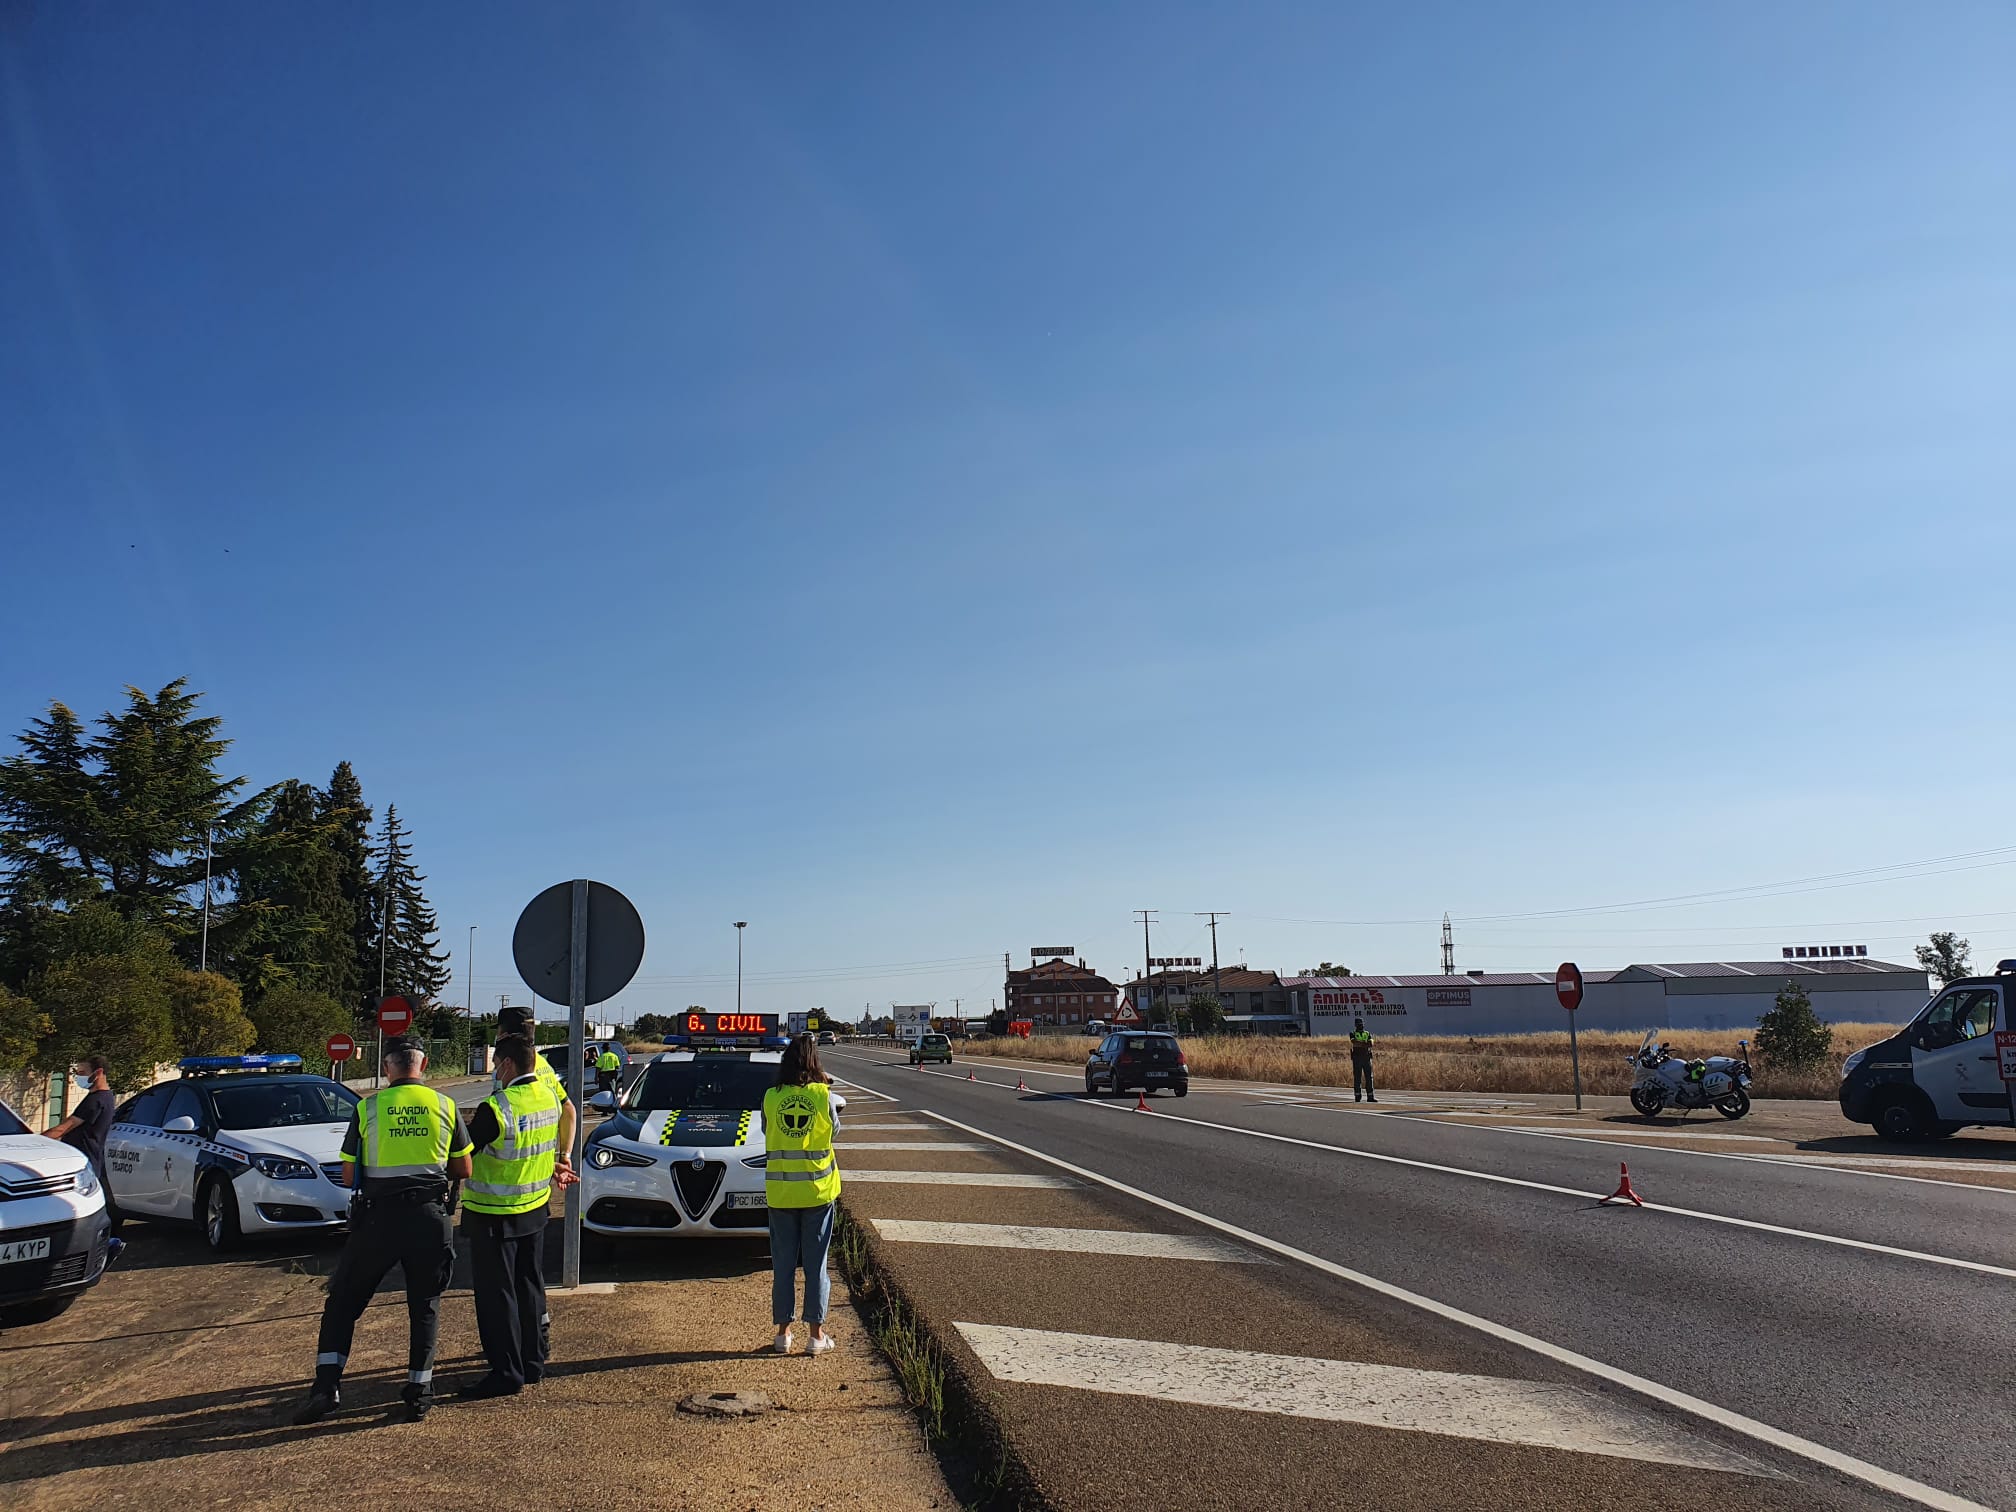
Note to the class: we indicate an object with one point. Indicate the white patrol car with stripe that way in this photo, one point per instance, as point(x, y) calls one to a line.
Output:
point(242, 1144)
point(682, 1156)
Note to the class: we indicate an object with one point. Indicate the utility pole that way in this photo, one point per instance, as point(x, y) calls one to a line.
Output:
point(1448, 948)
point(1146, 970)
point(1214, 918)
point(469, 997)
point(209, 840)
point(740, 925)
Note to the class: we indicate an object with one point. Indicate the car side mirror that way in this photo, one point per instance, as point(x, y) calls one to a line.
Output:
point(181, 1124)
point(603, 1101)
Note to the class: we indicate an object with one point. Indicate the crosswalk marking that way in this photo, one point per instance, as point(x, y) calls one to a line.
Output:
point(1491, 1408)
point(1079, 1241)
point(964, 1178)
point(908, 1144)
point(907, 1128)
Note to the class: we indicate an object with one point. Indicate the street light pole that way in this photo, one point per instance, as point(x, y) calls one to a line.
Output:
point(209, 843)
point(740, 925)
point(469, 996)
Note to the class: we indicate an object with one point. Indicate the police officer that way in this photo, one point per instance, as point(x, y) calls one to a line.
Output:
point(1361, 1062)
point(404, 1147)
point(516, 1135)
point(518, 1020)
point(607, 1064)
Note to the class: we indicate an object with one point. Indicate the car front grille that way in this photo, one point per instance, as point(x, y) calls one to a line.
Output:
point(35, 1186)
point(333, 1169)
point(697, 1186)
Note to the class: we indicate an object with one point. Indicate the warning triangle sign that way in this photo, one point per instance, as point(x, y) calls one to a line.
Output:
point(1125, 1013)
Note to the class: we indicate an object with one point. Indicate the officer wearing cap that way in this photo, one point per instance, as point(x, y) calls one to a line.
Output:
point(404, 1148)
point(518, 1020)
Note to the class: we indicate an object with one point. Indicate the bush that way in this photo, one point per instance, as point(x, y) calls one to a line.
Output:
point(1790, 1037)
point(1207, 1014)
point(23, 1027)
point(208, 1014)
point(116, 1006)
point(291, 1018)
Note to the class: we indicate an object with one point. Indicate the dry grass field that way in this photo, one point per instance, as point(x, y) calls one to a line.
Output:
point(1426, 1063)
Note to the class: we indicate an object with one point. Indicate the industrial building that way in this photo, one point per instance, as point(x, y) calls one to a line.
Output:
point(1729, 995)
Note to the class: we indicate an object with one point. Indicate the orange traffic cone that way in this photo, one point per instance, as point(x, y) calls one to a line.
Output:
point(1141, 1102)
point(971, 1077)
point(1623, 1187)
point(917, 1065)
point(1021, 1085)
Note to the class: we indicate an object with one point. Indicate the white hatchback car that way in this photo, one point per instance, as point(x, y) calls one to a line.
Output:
point(242, 1144)
point(53, 1224)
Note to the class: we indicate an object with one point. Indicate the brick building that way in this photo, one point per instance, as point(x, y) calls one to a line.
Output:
point(1058, 992)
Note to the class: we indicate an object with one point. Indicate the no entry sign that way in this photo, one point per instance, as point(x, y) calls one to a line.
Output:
point(1568, 985)
point(341, 1047)
point(395, 1015)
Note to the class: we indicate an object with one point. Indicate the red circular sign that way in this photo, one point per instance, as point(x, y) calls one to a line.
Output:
point(1568, 985)
point(341, 1047)
point(395, 1015)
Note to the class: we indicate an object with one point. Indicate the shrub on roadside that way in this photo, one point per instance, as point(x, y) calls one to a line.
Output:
point(1791, 1037)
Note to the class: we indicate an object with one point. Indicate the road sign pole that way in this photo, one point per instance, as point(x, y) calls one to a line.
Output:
point(577, 1010)
point(1575, 1061)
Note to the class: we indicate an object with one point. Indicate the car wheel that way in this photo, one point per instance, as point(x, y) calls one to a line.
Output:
point(1183, 1089)
point(220, 1215)
point(1903, 1118)
point(40, 1311)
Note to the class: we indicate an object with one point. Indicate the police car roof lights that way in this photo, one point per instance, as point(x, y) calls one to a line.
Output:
point(199, 1065)
point(2006, 968)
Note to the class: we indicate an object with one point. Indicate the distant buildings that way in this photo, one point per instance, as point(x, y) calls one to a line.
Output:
point(1059, 992)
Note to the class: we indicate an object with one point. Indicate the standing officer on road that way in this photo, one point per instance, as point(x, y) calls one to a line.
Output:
point(518, 1020)
point(1361, 1062)
point(607, 1064)
point(516, 1133)
point(403, 1147)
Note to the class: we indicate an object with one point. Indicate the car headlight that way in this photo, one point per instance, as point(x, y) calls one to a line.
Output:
point(1853, 1061)
point(604, 1155)
point(87, 1181)
point(283, 1168)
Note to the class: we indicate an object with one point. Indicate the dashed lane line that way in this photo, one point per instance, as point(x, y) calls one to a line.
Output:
point(1723, 1417)
point(1074, 1241)
point(1494, 1409)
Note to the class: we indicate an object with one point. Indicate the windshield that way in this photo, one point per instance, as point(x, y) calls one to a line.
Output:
point(9, 1124)
point(282, 1104)
point(706, 1081)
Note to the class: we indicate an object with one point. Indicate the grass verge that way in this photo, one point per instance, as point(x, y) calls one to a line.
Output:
point(962, 1431)
point(1454, 1063)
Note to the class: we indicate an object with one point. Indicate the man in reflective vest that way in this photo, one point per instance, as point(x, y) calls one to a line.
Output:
point(518, 1020)
point(801, 1182)
point(516, 1133)
point(607, 1064)
point(1361, 1062)
point(404, 1147)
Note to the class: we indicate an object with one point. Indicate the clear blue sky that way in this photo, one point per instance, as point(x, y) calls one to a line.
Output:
point(931, 479)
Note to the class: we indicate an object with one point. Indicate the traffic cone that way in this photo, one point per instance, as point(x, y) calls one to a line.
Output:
point(971, 1077)
point(1021, 1085)
point(1623, 1187)
point(1141, 1102)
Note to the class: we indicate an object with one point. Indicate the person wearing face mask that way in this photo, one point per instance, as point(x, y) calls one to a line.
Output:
point(85, 1130)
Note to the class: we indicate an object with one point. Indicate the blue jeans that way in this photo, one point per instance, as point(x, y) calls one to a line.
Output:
point(799, 1239)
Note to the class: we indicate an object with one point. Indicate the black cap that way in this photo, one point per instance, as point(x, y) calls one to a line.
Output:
point(405, 1044)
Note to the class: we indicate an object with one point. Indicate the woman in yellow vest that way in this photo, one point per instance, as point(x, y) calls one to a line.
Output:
point(801, 1179)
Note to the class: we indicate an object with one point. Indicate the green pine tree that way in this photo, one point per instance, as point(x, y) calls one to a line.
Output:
point(289, 920)
point(414, 966)
point(344, 808)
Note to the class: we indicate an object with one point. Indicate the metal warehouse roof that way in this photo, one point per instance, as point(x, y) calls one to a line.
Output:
point(1857, 966)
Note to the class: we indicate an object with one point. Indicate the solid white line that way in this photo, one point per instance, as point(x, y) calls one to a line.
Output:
point(900, 1144)
point(962, 1178)
point(1629, 1133)
point(1491, 1408)
point(1547, 1186)
point(1735, 1422)
point(913, 1128)
point(1075, 1241)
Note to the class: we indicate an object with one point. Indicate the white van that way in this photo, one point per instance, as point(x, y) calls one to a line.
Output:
point(53, 1224)
point(1942, 1072)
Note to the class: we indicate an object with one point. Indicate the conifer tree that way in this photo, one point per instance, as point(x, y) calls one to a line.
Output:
point(414, 966)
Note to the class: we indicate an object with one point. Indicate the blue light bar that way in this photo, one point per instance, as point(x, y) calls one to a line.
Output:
point(2006, 968)
point(276, 1062)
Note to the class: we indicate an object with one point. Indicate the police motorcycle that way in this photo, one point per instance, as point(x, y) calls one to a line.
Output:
point(1663, 1081)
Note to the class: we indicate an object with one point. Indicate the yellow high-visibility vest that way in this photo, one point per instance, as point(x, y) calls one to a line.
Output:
point(514, 1172)
point(800, 1170)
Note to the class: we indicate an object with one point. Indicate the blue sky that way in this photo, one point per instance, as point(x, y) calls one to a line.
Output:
point(930, 480)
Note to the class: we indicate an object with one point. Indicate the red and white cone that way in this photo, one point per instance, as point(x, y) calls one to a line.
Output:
point(1141, 1102)
point(1021, 1085)
point(1623, 1187)
point(971, 1077)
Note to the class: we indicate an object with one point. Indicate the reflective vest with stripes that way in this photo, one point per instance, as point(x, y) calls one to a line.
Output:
point(799, 1170)
point(406, 1131)
point(607, 1061)
point(514, 1172)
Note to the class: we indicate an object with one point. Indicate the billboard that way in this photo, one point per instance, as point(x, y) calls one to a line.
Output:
point(1037, 952)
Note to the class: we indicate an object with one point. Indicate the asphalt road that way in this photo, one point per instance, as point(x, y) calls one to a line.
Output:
point(1869, 1316)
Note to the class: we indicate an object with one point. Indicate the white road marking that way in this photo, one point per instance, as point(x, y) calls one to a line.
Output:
point(1626, 1132)
point(1491, 1408)
point(1548, 1186)
point(911, 1128)
point(1658, 1391)
point(1958, 1163)
point(585, 1289)
point(900, 1144)
point(1075, 1241)
point(963, 1178)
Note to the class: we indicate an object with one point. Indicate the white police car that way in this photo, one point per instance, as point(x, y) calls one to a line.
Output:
point(53, 1224)
point(242, 1144)
point(682, 1156)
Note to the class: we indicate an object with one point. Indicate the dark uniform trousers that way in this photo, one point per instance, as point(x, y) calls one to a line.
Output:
point(419, 1238)
point(1361, 1075)
point(506, 1261)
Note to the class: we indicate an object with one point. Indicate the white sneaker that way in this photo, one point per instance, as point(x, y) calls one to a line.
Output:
point(819, 1344)
point(783, 1341)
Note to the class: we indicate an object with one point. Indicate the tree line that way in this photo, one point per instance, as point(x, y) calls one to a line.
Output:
point(115, 835)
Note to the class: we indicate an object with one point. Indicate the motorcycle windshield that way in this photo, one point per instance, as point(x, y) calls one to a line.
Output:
point(1650, 1043)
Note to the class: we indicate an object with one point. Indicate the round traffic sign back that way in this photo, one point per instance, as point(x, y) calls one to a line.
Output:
point(542, 944)
point(395, 1015)
point(1568, 985)
point(341, 1047)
